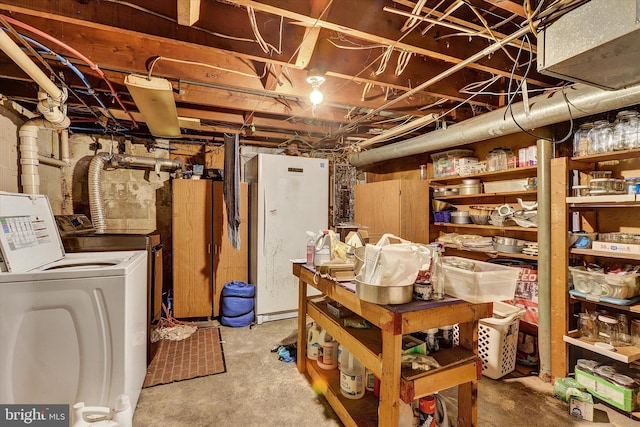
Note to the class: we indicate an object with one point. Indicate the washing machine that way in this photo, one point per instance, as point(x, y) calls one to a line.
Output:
point(72, 326)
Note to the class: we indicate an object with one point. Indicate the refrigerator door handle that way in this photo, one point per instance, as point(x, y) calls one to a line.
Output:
point(265, 220)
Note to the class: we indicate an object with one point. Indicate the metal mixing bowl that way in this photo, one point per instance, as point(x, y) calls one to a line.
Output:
point(383, 294)
point(480, 219)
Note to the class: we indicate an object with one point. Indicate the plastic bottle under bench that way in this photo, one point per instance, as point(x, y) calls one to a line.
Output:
point(327, 352)
point(352, 376)
point(313, 341)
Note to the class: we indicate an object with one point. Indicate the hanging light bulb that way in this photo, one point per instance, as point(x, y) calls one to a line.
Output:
point(315, 79)
point(316, 96)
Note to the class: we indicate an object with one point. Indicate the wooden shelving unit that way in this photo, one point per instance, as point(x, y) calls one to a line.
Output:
point(599, 213)
point(380, 348)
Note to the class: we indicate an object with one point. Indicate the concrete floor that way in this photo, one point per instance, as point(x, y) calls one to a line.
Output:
point(260, 390)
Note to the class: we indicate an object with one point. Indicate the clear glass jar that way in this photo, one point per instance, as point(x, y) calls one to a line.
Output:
point(581, 140)
point(423, 172)
point(609, 328)
point(625, 130)
point(497, 160)
point(588, 326)
point(600, 137)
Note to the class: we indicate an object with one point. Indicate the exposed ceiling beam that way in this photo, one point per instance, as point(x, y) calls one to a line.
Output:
point(374, 38)
point(510, 6)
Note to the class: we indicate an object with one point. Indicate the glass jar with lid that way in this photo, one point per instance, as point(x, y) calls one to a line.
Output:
point(625, 130)
point(581, 140)
point(600, 137)
point(497, 160)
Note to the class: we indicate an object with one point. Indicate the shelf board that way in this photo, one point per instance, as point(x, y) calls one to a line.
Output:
point(487, 227)
point(591, 252)
point(522, 172)
point(352, 412)
point(626, 354)
point(494, 254)
point(458, 366)
point(505, 194)
point(607, 201)
point(634, 308)
point(616, 155)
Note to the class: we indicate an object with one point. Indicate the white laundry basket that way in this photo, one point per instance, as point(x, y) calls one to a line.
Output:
point(498, 340)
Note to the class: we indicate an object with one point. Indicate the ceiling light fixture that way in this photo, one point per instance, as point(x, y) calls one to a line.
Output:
point(315, 78)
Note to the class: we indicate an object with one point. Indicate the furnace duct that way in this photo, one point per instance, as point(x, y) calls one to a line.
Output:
point(544, 110)
point(97, 164)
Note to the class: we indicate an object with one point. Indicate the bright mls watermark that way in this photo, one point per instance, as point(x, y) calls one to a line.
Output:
point(34, 415)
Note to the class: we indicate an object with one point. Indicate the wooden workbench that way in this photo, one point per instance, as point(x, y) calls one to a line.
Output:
point(380, 350)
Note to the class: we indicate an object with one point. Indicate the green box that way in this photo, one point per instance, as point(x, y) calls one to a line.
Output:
point(620, 397)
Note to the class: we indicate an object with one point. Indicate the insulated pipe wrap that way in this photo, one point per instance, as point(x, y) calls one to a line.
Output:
point(544, 110)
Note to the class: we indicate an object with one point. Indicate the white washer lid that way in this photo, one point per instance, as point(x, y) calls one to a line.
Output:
point(29, 236)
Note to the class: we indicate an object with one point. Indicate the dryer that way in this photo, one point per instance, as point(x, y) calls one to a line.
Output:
point(72, 326)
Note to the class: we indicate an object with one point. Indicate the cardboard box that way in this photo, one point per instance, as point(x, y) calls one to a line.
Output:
point(624, 248)
point(620, 397)
point(582, 410)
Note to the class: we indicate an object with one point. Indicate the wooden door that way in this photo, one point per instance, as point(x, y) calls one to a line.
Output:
point(377, 206)
point(229, 263)
point(192, 244)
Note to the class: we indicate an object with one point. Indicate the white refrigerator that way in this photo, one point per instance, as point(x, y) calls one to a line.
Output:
point(288, 196)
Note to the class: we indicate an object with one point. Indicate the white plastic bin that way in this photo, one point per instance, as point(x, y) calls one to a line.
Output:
point(487, 282)
point(498, 340)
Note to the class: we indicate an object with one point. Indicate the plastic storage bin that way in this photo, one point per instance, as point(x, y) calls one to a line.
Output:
point(485, 283)
point(498, 340)
point(618, 286)
point(445, 163)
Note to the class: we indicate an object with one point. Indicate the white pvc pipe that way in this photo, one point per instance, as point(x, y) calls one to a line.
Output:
point(14, 52)
point(64, 146)
point(50, 109)
point(29, 158)
point(51, 161)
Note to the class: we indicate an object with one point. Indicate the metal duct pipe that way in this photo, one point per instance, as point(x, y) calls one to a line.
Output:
point(544, 110)
point(127, 161)
point(96, 204)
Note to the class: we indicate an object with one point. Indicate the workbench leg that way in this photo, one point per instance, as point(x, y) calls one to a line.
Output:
point(389, 410)
point(302, 326)
point(468, 404)
point(468, 392)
